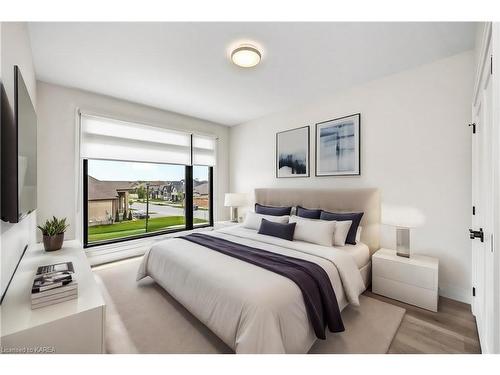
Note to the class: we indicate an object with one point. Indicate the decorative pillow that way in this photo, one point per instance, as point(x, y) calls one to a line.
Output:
point(279, 230)
point(252, 220)
point(271, 210)
point(355, 217)
point(341, 231)
point(358, 234)
point(313, 231)
point(308, 213)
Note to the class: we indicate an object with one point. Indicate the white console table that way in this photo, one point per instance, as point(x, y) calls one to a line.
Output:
point(75, 326)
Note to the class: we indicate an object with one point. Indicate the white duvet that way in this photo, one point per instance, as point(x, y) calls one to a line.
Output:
point(251, 309)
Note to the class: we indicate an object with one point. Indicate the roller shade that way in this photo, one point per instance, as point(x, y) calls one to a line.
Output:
point(204, 150)
point(104, 138)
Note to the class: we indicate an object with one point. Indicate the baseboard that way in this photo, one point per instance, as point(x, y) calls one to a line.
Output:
point(455, 293)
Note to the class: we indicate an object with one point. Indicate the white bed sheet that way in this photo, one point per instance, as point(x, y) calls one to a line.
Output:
point(251, 309)
point(360, 253)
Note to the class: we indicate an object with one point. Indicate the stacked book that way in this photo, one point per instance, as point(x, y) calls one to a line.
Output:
point(54, 283)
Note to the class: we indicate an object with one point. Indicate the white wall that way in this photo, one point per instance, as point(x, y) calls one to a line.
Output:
point(57, 162)
point(15, 50)
point(415, 147)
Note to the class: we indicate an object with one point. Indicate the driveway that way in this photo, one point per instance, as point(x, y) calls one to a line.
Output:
point(162, 211)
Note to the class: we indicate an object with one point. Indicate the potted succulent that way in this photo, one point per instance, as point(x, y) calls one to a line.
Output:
point(53, 233)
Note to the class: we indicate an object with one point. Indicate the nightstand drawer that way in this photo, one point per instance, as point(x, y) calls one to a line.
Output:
point(421, 297)
point(406, 272)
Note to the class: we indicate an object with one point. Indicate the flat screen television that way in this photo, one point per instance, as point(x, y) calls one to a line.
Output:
point(18, 172)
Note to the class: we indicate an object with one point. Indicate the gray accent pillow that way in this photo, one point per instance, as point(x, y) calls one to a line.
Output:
point(344, 216)
point(271, 210)
point(284, 231)
point(308, 213)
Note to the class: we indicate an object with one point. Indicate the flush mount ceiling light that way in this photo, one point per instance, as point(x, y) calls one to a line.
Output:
point(246, 56)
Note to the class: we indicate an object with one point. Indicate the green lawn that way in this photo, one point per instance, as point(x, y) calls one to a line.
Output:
point(133, 228)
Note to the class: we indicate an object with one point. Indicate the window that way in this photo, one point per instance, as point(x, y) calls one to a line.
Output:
point(131, 190)
point(202, 199)
point(127, 200)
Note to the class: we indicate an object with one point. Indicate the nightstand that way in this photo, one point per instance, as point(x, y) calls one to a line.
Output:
point(224, 224)
point(412, 280)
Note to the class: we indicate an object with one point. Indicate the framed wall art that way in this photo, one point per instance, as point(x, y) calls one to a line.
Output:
point(292, 153)
point(338, 146)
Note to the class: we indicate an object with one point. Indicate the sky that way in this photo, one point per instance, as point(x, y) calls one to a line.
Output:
point(107, 170)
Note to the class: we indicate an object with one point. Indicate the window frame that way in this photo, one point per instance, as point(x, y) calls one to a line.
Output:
point(189, 215)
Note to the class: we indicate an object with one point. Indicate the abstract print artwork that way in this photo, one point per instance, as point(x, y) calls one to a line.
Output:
point(292, 153)
point(338, 146)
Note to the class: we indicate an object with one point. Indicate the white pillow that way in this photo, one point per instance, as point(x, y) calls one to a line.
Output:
point(253, 220)
point(341, 230)
point(314, 231)
point(358, 234)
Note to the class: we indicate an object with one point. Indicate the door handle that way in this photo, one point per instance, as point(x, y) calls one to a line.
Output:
point(476, 234)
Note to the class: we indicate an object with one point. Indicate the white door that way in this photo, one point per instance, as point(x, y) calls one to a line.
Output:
point(482, 198)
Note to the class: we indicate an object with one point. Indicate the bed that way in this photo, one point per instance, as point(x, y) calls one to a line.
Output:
point(254, 310)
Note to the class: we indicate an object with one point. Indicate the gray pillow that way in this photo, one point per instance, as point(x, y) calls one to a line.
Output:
point(308, 213)
point(341, 216)
point(271, 210)
point(284, 231)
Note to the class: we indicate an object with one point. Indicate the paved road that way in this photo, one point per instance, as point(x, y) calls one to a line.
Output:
point(162, 211)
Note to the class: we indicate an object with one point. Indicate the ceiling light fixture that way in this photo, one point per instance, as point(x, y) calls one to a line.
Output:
point(246, 56)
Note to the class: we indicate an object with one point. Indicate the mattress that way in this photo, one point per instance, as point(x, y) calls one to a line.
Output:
point(251, 309)
point(359, 252)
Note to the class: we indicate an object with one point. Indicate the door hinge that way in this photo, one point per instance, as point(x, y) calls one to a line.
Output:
point(491, 64)
point(473, 127)
point(473, 291)
point(473, 210)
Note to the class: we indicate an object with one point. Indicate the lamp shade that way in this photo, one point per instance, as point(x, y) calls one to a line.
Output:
point(235, 199)
point(402, 216)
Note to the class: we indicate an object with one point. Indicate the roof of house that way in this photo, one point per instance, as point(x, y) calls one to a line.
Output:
point(100, 190)
point(202, 189)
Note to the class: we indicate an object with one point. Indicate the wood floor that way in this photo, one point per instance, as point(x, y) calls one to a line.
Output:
point(451, 330)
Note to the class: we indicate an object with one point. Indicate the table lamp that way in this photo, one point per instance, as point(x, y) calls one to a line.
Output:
point(403, 218)
point(234, 200)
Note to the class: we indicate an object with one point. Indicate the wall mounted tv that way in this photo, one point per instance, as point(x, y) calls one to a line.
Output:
point(19, 127)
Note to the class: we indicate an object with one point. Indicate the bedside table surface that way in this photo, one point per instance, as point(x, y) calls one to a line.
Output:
point(414, 259)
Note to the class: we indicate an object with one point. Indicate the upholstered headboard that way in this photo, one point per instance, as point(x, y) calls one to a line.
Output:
point(336, 200)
